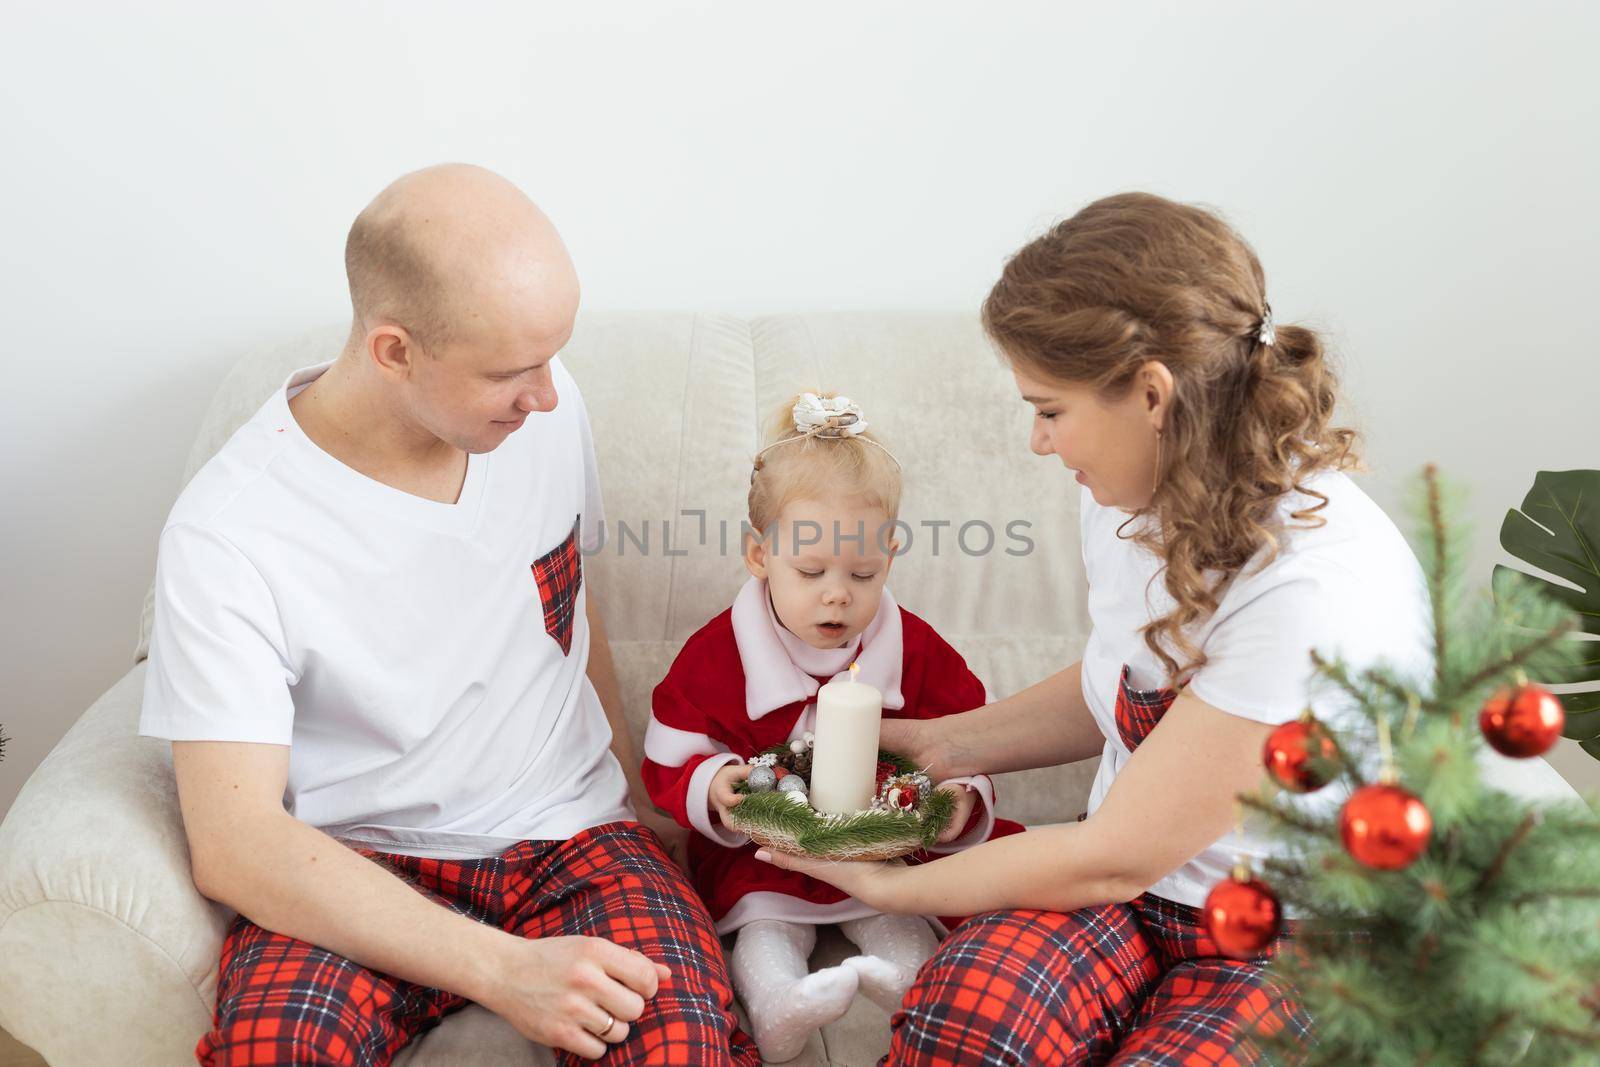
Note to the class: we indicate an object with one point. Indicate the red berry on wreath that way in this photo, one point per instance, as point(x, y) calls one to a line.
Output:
point(1385, 827)
point(1242, 915)
point(1300, 755)
point(1523, 721)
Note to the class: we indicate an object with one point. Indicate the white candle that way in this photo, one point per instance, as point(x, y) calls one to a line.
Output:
point(844, 761)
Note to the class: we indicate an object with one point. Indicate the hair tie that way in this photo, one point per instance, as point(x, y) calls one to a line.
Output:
point(1266, 333)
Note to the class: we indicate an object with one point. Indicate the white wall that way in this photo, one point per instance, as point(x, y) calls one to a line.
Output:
point(1419, 179)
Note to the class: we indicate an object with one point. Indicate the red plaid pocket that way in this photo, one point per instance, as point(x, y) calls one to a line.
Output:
point(1138, 710)
point(559, 573)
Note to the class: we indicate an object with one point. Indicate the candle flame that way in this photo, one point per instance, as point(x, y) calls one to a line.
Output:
point(855, 669)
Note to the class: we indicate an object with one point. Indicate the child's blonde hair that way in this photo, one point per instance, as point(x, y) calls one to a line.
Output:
point(811, 466)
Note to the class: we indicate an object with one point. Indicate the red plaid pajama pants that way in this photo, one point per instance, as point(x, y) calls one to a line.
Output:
point(1137, 983)
point(285, 1001)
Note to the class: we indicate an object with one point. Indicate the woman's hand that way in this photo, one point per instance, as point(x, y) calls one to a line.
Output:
point(917, 741)
point(966, 799)
point(1045, 725)
point(873, 882)
point(721, 796)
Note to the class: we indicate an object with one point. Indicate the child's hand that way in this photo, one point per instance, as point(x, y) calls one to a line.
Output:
point(721, 795)
point(966, 798)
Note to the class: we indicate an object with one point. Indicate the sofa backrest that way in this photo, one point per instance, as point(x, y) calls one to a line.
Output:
point(677, 401)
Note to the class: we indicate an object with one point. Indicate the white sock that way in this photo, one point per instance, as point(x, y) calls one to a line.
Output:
point(894, 948)
point(785, 1004)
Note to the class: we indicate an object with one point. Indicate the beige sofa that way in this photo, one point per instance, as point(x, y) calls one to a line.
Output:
point(107, 952)
point(108, 955)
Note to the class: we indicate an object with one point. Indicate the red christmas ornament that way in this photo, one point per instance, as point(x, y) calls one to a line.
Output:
point(1242, 915)
point(1384, 826)
point(1300, 755)
point(1522, 721)
point(780, 772)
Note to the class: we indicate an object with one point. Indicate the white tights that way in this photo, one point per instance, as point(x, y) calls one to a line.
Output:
point(786, 1004)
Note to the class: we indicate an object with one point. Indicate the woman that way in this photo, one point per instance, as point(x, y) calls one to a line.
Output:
point(1222, 543)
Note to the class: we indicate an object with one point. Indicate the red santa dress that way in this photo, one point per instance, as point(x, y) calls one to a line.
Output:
point(743, 683)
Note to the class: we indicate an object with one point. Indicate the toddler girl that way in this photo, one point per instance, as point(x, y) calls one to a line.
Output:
point(824, 496)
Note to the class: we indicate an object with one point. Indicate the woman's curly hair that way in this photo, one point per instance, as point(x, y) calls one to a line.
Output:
point(1136, 277)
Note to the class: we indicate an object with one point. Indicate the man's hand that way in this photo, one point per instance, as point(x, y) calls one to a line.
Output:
point(674, 838)
point(560, 991)
point(966, 799)
point(721, 796)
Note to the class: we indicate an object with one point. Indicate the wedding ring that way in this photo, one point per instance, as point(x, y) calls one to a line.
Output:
point(611, 1020)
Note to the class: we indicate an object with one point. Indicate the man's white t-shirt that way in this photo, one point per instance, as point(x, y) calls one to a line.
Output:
point(1350, 588)
point(425, 662)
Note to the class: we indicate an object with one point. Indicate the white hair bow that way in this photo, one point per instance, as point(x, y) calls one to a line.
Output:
point(835, 416)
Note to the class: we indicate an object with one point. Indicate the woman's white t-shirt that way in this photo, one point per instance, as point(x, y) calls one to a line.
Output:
point(1350, 588)
point(430, 686)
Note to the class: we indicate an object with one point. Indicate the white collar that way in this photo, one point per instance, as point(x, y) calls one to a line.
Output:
point(778, 666)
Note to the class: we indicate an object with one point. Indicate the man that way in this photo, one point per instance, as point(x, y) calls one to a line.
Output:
point(388, 689)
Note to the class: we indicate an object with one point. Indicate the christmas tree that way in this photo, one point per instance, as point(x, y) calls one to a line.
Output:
point(1438, 920)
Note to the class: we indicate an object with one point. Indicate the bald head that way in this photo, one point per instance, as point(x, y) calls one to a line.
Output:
point(455, 249)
